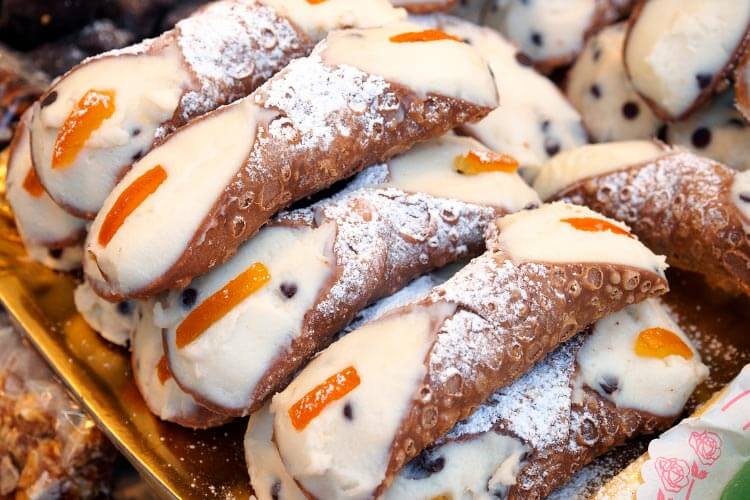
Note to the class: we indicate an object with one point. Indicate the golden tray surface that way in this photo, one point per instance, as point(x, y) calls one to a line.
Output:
point(181, 463)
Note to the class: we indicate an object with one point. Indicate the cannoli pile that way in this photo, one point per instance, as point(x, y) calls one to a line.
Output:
point(424, 256)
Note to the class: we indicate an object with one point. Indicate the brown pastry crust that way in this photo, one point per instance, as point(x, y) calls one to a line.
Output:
point(718, 83)
point(427, 8)
point(680, 206)
point(285, 167)
point(505, 334)
point(742, 86)
point(384, 239)
point(207, 92)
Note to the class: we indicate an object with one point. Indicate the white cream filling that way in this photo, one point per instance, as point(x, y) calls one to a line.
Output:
point(264, 465)
point(674, 41)
point(333, 456)
point(115, 323)
point(200, 160)
point(482, 467)
point(429, 168)
point(444, 67)
point(39, 219)
point(69, 260)
point(165, 399)
point(592, 160)
point(148, 90)
point(533, 116)
point(740, 190)
point(317, 19)
point(541, 236)
point(561, 25)
point(226, 363)
point(607, 360)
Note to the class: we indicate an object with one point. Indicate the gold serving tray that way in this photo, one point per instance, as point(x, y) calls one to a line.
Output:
point(180, 463)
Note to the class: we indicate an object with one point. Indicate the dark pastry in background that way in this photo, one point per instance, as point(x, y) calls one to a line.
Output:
point(26, 24)
point(20, 85)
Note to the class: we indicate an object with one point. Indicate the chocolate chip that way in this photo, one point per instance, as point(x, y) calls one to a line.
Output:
point(745, 196)
point(737, 122)
point(537, 39)
point(124, 308)
point(701, 137)
point(466, 41)
point(609, 384)
point(55, 253)
point(630, 110)
point(49, 99)
point(597, 54)
point(138, 156)
point(276, 490)
point(703, 79)
point(189, 296)
point(661, 133)
point(531, 206)
point(423, 466)
point(288, 289)
point(135, 132)
point(523, 59)
point(595, 91)
point(551, 146)
point(545, 125)
point(348, 412)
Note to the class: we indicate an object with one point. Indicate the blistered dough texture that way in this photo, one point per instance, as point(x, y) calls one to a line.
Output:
point(599, 88)
point(679, 205)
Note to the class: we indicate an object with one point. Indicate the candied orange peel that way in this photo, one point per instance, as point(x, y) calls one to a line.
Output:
point(429, 35)
point(32, 185)
point(315, 2)
point(162, 370)
point(480, 162)
point(660, 343)
point(593, 224)
point(86, 117)
point(130, 199)
point(314, 402)
point(220, 303)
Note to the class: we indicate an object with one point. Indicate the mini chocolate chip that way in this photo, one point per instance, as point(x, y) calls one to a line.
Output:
point(537, 39)
point(124, 308)
point(466, 41)
point(745, 196)
point(701, 137)
point(135, 132)
point(49, 99)
point(138, 156)
point(595, 91)
point(189, 296)
point(630, 110)
point(737, 122)
point(597, 54)
point(423, 466)
point(276, 490)
point(531, 206)
point(661, 133)
point(523, 59)
point(545, 125)
point(55, 253)
point(348, 412)
point(703, 79)
point(551, 146)
point(608, 383)
point(288, 289)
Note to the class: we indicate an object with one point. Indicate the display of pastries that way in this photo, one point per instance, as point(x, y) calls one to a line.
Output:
point(380, 231)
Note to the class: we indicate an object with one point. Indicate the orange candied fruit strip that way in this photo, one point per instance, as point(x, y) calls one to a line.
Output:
point(595, 225)
point(88, 115)
point(219, 304)
point(130, 199)
point(660, 343)
point(429, 35)
point(315, 2)
point(314, 402)
point(479, 162)
point(162, 370)
point(32, 185)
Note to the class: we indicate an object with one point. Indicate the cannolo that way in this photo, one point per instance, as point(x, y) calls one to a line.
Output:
point(679, 52)
point(310, 271)
point(354, 416)
point(116, 322)
point(151, 372)
point(107, 112)
point(361, 98)
point(550, 32)
point(599, 88)
point(51, 235)
point(591, 394)
point(534, 121)
point(425, 6)
point(689, 208)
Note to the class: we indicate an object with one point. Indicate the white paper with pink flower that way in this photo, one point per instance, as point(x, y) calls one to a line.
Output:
point(695, 459)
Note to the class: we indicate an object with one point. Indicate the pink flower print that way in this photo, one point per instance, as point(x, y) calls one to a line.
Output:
point(674, 473)
point(707, 445)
